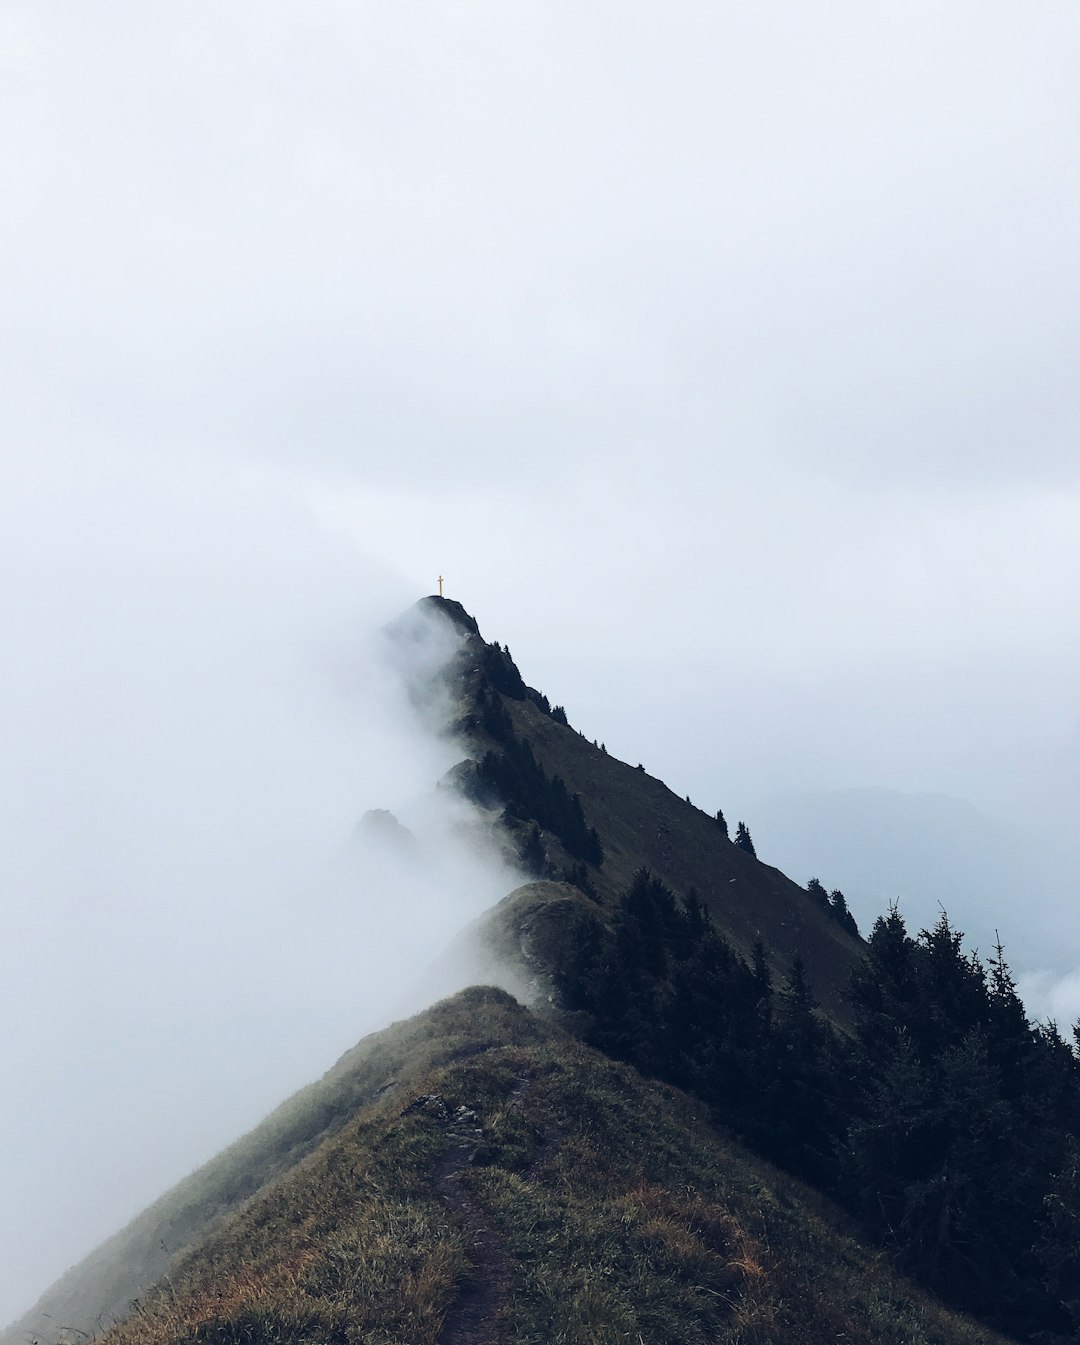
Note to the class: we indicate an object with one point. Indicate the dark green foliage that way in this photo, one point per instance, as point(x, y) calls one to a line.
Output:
point(578, 875)
point(698, 919)
point(1058, 1250)
point(721, 821)
point(834, 904)
point(668, 994)
point(947, 1121)
point(533, 856)
point(800, 1120)
point(595, 853)
point(515, 778)
point(501, 672)
point(492, 717)
point(538, 699)
point(959, 1127)
point(743, 841)
point(838, 909)
point(817, 892)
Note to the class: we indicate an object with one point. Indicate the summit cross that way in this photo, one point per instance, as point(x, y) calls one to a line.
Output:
point(440, 585)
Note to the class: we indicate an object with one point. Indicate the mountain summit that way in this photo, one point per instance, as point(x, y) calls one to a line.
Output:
point(686, 1103)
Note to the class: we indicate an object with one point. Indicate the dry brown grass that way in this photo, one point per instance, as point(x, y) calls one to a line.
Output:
point(622, 1215)
point(353, 1246)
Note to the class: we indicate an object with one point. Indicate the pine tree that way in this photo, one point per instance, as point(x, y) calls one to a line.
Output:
point(799, 1121)
point(578, 876)
point(958, 1124)
point(817, 891)
point(721, 822)
point(533, 858)
point(1058, 1250)
point(502, 672)
point(743, 841)
point(594, 848)
point(838, 909)
point(763, 986)
point(696, 915)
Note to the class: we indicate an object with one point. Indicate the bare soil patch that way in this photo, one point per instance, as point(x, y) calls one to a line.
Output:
point(479, 1316)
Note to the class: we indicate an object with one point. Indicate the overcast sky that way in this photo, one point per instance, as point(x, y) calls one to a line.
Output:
point(722, 357)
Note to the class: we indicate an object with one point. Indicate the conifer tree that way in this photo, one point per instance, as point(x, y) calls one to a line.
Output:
point(533, 858)
point(743, 841)
point(578, 876)
point(838, 909)
point(763, 985)
point(800, 1123)
point(697, 916)
point(1058, 1250)
point(817, 891)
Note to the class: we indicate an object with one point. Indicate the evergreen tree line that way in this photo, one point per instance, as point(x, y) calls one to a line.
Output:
point(834, 904)
point(743, 839)
point(502, 673)
point(515, 778)
point(946, 1121)
point(534, 860)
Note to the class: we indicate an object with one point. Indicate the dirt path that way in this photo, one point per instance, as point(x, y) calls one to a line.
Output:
point(478, 1317)
point(480, 1314)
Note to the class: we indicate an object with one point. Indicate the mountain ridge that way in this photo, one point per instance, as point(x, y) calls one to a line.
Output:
point(743, 1253)
point(444, 1184)
point(644, 822)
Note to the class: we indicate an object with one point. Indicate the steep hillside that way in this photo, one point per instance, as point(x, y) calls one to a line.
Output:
point(644, 823)
point(581, 1154)
point(491, 1179)
point(641, 822)
point(103, 1286)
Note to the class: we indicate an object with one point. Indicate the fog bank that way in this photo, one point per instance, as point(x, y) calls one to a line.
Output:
point(199, 711)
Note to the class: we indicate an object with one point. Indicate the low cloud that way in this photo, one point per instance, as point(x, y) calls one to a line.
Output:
point(198, 713)
point(1050, 996)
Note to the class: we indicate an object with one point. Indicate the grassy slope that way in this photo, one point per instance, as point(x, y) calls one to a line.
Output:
point(103, 1285)
point(618, 1215)
point(641, 821)
point(632, 1219)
